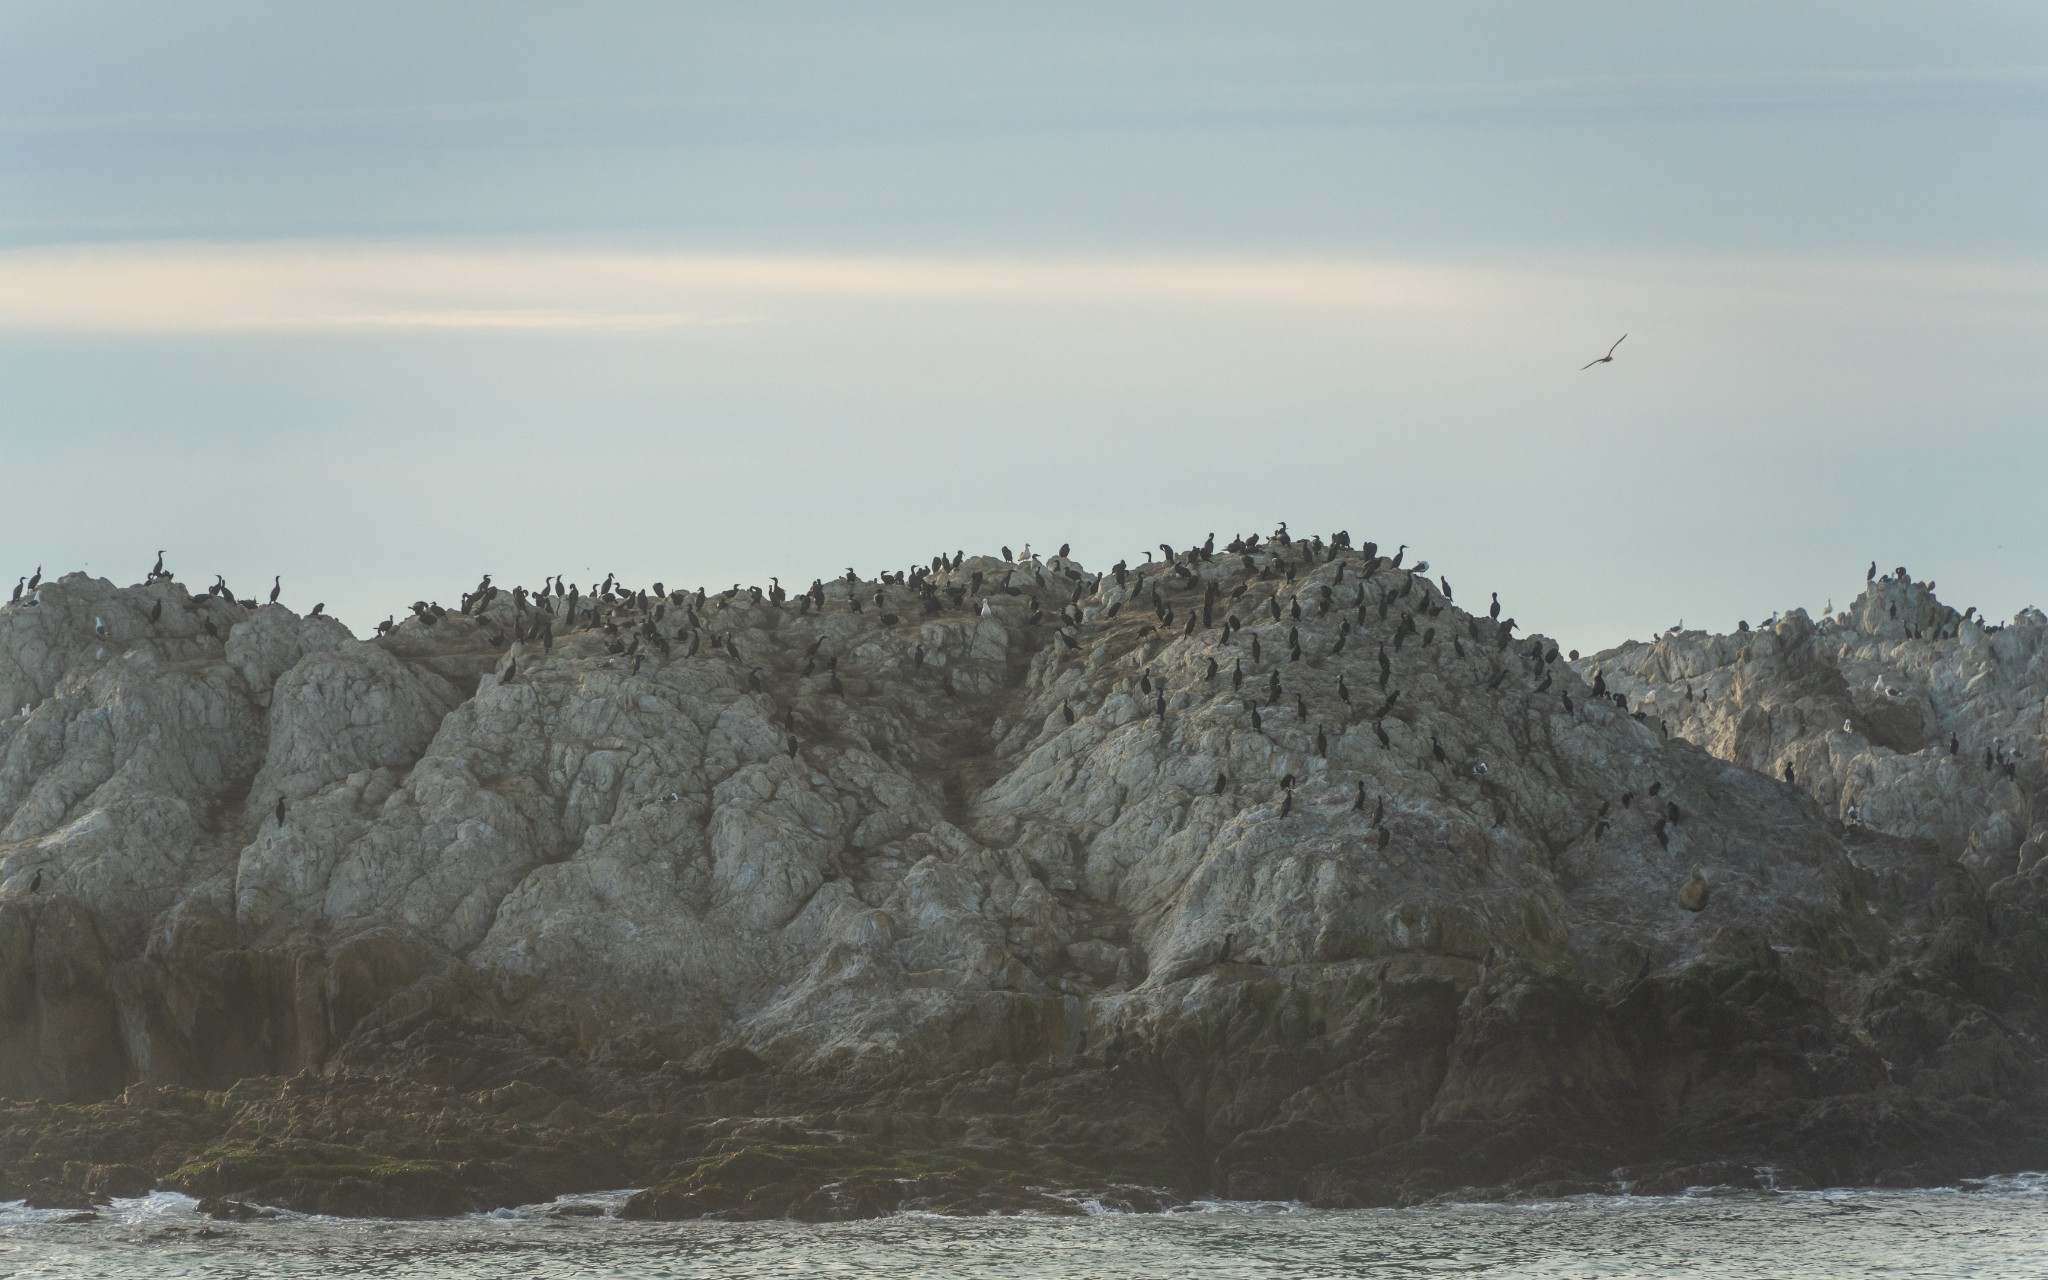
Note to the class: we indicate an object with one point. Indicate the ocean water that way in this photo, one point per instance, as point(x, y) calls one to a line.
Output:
point(1998, 1228)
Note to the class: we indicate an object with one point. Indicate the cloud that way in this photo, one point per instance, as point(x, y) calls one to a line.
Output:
point(306, 287)
point(176, 288)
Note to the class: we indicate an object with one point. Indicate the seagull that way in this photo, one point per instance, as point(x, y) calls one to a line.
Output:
point(1606, 359)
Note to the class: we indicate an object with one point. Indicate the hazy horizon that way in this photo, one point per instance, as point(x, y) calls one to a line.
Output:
point(385, 298)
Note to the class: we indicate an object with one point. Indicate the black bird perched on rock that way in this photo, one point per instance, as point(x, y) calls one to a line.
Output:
point(1068, 712)
point(1222, 781)
point(35, 881)
point(1606, 359)
point(276, 587)
point(1493, 610)
point(158, 572)
point(318, 609)
point(156, 611)
point(280, 811)
point(1358, 804)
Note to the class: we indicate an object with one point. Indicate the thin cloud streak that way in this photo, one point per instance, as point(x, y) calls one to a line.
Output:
point(174, 289)
point(198, 289)
point(1809, 86)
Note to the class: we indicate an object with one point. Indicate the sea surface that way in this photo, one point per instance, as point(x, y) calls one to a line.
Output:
point(1997, 1228)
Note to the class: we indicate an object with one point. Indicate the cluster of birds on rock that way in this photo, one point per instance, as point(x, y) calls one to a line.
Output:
point(1274, 617)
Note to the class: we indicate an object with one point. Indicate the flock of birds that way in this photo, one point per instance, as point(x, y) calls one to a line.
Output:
point(1243, 613)
point(1199, 591)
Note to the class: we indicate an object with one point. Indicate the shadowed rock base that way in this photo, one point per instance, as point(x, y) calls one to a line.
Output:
point(1379, 1088)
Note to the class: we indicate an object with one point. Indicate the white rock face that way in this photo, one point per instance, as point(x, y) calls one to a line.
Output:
point(1899, 716)
point(842, 838)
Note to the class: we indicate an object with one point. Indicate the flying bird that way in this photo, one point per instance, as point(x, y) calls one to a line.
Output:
point(1606, 359)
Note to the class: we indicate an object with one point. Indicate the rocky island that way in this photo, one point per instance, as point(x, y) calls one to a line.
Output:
point(1260, 870)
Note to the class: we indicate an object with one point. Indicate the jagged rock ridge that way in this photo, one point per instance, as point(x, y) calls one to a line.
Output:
point(1266, 870)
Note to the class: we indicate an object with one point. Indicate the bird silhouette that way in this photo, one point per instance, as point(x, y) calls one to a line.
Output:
point(1606, 359)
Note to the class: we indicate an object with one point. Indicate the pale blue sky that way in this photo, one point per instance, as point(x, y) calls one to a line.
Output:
point(385, 296)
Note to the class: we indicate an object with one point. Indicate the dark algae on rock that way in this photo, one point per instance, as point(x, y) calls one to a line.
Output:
point(1260, 870)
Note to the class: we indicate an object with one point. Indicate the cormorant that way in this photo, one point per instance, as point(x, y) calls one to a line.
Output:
point(276, 586)
point(280, 811)
point(1067, 712)
point(158, 572)
point(1359, 804)
point(156, 611)
point(35, 881)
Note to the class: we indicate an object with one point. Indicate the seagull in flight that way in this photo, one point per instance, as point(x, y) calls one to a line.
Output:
point(1606, 359)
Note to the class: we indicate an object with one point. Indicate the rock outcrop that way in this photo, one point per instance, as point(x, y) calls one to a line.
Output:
point(1261, 871)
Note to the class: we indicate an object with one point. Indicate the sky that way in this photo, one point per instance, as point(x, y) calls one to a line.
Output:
point(382, 297)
